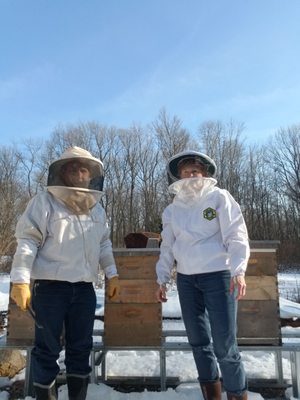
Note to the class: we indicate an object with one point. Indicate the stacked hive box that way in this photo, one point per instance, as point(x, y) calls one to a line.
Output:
point(258, 311)
point(134, 318)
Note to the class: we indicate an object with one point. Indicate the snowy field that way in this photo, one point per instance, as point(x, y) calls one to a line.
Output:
point(289, 286)
point(179, 364)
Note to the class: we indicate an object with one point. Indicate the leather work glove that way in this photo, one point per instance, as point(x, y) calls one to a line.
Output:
point(20, 293)
point(113, 288)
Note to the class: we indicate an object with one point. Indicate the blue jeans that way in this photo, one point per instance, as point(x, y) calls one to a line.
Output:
point(209, 315)
point(62, 305)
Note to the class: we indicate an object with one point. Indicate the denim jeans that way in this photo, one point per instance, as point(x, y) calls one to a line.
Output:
point(209, 315)
point(62, 305)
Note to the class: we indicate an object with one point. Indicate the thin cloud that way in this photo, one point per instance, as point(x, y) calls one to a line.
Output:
point(257, 100)
point(25, 83)
point(10, 88)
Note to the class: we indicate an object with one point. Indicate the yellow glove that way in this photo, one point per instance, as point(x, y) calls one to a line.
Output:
point(113, 288)
point(20, 293)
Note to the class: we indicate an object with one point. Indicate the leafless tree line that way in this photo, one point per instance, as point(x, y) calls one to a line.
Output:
point(264, 179)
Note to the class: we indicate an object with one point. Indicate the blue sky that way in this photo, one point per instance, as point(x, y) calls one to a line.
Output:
point(119, 62)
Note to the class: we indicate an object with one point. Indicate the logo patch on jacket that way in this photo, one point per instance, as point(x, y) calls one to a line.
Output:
point(209, 213)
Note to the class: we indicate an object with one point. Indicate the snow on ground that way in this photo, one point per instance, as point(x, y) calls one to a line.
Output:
point(289, 285)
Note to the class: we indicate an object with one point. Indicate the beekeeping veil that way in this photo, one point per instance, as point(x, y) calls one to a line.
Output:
point(188, 190)
point(80, 199)
point(201, 158)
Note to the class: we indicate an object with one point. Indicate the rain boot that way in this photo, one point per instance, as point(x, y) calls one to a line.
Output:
point(212, 390)
point(44, 392)
point(232, 396)
point(77, 387)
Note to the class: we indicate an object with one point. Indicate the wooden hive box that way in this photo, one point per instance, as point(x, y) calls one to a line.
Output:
point(20, 327)
point(259, 312)
point(135, 318)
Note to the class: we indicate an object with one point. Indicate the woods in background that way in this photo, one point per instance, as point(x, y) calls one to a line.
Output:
point(264, 179)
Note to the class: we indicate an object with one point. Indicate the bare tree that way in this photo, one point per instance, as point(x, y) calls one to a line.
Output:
point(170, 135)
point(284, 154)
point(257, 197)
point(149, 181)
point(12, 198)
point(224, 144)
point(33, 169)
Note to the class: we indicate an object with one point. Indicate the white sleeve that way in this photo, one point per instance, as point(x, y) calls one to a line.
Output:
point(234, 234)
point(166, 258)
point(107, 261)
point(30, 234)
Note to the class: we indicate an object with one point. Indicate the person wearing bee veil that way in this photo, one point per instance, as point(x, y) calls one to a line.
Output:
point(205, 236)
point(62, 238)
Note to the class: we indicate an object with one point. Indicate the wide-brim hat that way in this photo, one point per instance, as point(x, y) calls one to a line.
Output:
point(75, 153)
point(201, 158)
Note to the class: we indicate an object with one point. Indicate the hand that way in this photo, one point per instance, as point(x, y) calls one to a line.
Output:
point(20, 293)
point(239, 283)
point(113, 288)
point(161, 294)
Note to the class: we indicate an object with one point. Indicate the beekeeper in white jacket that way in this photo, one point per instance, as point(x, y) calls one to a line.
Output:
point(63, 237)
point(205, 234)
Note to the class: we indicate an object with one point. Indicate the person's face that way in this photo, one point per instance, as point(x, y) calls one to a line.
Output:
point(192, 170)
point(76, 174)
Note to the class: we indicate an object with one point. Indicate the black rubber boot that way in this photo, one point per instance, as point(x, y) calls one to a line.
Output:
point(211, 390)
point(43, 392)
point(77, 387)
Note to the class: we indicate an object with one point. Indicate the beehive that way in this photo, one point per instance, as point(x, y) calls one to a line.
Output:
point(135, 317)
point(259, 312)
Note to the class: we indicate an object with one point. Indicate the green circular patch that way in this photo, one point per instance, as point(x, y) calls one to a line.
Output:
point(209, 213)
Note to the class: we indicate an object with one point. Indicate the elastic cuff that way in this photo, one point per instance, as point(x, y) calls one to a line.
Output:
point(78, 376)
point(44, 386)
